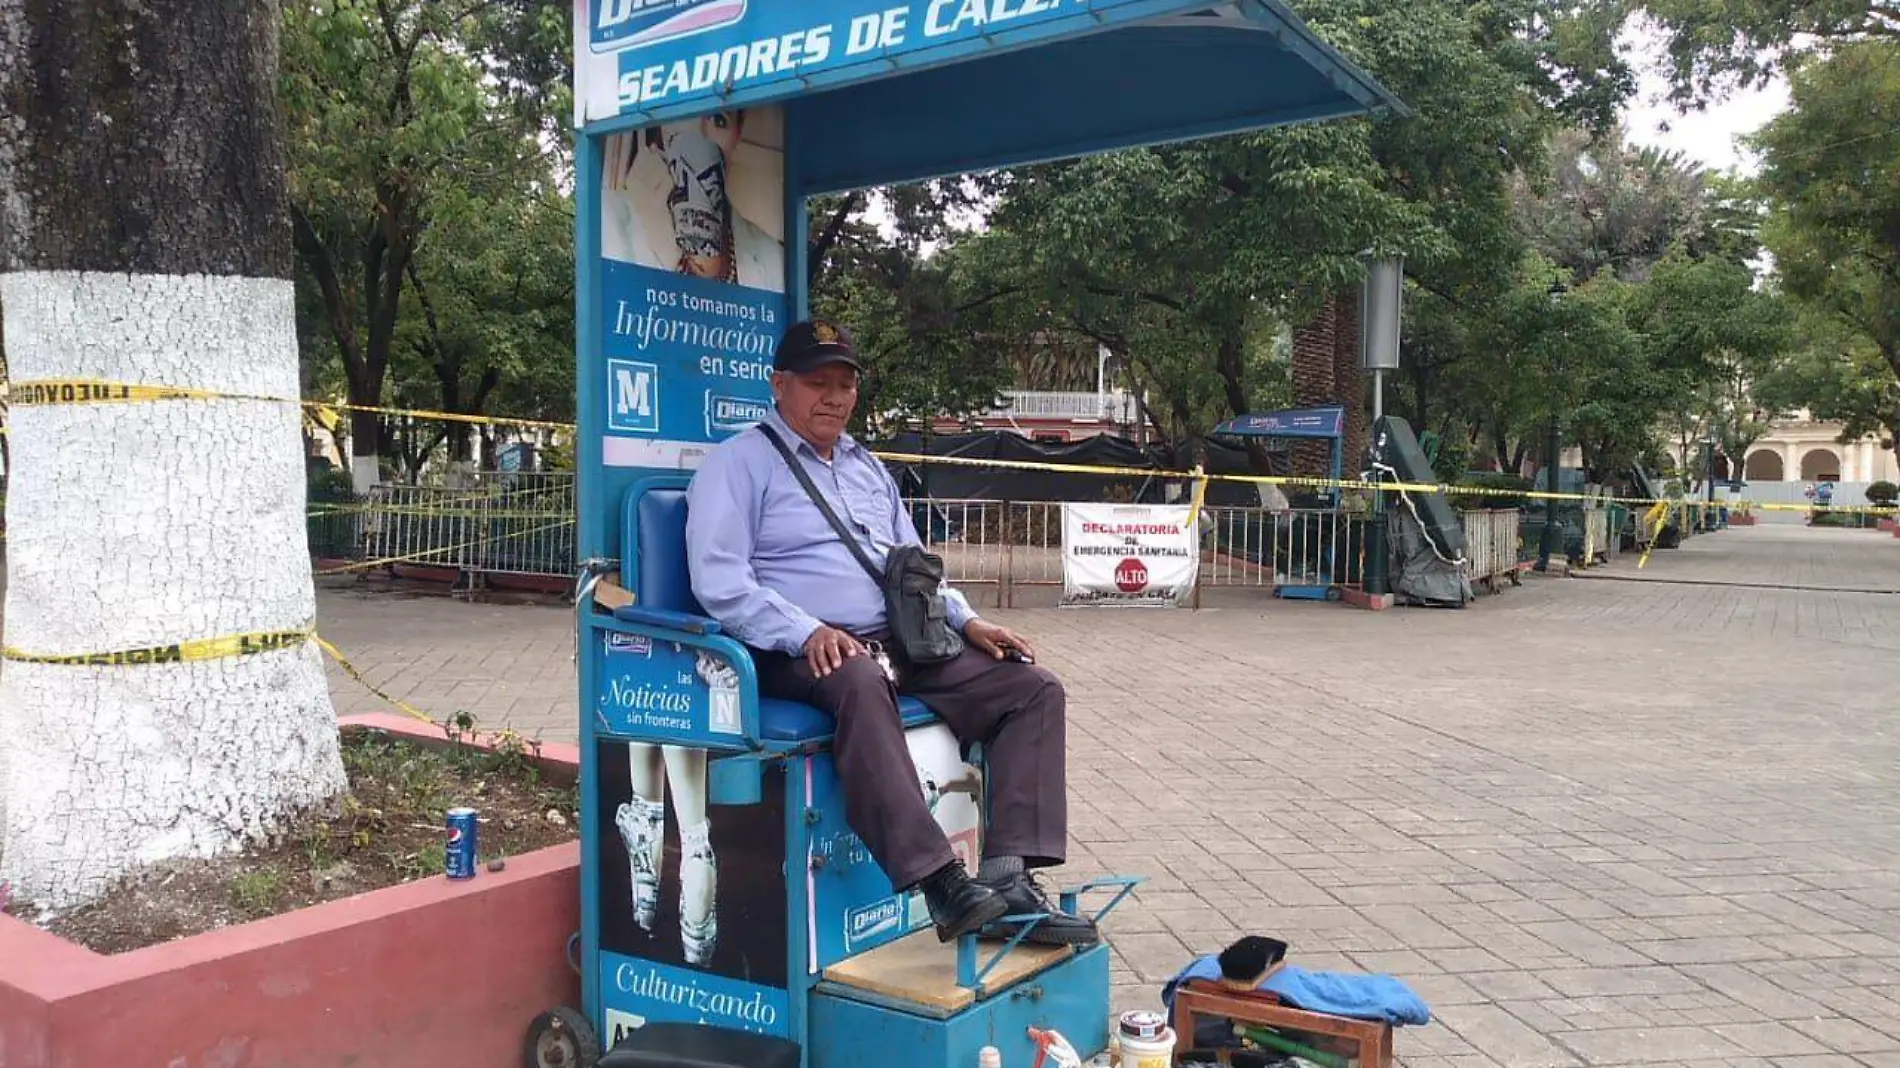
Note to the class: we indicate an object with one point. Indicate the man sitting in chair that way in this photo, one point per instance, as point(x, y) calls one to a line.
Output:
point(771, 568)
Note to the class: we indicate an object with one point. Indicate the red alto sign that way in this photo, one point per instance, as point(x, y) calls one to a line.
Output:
point(1131, 576)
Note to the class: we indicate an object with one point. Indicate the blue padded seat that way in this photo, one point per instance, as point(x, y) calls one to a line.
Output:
point(658, 576)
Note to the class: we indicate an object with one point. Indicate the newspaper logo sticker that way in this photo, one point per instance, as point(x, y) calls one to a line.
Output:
point(629, 644)
point(633, 391)
point(729, 415)
point(1131, 576)
point(872, 920)
point(619, 25)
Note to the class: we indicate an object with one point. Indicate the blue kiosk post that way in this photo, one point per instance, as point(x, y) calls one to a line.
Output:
point(1326, 423)
point(726, 905)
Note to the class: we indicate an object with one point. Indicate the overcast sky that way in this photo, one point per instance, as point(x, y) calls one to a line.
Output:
point(1707, 137)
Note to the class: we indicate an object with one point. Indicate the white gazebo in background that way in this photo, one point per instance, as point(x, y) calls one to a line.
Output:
point(1804, 450)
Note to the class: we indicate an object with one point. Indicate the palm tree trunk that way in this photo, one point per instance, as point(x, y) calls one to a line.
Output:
point(148, 243)
point(1349, 383)
point(1312, 381)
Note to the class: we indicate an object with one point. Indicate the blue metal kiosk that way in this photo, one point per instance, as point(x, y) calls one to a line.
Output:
point(722, 891)
point(1326, 423)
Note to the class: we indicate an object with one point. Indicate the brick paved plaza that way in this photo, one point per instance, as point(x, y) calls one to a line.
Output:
point(1623, 818)
point(1593, 821)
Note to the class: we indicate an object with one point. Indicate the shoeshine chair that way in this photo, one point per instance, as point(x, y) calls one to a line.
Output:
point(820, 963)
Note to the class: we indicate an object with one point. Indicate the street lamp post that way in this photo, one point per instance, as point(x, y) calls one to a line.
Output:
point(1553, 448)
point(1380, 301)
point(1708, 513)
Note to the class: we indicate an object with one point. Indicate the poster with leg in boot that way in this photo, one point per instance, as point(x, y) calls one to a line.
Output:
point(692, 896)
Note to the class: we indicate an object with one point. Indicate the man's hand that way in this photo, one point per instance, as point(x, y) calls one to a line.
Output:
point(828, 648)
point(996, 639)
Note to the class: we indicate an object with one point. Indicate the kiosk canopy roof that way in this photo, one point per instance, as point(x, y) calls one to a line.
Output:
point(882, 91)
point(1327, 421)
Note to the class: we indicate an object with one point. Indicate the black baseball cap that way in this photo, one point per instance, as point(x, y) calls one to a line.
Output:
point(812, 344)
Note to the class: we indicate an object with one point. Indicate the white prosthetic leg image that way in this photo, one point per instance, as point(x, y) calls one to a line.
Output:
point(699, 878)
point(660, 773)
point(642, 825)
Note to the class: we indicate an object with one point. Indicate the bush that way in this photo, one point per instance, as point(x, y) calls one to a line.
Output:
point(328, 483)
point(1513, 487)
point(1882, 493)
point(1848, 520)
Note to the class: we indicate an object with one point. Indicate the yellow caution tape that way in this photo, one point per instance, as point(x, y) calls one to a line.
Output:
point(88, 391)
point(1657, 517)
point(462, 510)
point(365, 565)
point(350, 670)
point(177, 653)
point(214, 649)
point(1306, 482)
point(85, 391)
point(1200, 497)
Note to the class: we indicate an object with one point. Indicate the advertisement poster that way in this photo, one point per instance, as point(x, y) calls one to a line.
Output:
point(676, 692)
point(692, 896)
point(1128, 554)
point(692, 279)
point(855, 907)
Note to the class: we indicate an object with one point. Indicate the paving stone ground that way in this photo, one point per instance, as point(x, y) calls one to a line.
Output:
point(1635, 817)
point(1631, 817)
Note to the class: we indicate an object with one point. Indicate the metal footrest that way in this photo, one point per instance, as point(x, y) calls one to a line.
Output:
point(971, 970)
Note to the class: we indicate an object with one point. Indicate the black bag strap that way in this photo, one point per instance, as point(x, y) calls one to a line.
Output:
point(818, 498)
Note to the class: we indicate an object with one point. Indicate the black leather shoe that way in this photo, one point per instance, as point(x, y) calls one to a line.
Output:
point(1024, 896)
point(959, 905)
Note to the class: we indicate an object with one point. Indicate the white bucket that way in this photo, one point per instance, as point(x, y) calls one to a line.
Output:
point(1146, 1040)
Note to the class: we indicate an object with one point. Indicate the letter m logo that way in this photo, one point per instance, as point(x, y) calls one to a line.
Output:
point(633, 397)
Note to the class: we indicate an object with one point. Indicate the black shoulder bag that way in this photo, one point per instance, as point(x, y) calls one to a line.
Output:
point(912, 581)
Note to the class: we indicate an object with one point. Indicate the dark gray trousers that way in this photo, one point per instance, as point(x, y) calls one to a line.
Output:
point(1015, 710)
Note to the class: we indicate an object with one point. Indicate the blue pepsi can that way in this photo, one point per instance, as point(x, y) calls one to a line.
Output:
point(459, 858)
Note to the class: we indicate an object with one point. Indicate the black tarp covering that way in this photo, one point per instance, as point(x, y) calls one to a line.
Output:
point(1427, 536)
point(960, 481)
point(954, 482)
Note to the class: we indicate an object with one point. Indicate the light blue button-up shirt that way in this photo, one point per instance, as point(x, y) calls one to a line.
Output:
point(765, 562)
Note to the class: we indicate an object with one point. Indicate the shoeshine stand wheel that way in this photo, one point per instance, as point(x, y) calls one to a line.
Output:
point(561, 1038)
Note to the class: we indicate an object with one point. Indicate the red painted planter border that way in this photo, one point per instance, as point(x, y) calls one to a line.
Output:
point(428, 972)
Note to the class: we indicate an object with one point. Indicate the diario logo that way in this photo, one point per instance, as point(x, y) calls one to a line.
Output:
point(870, 921)
point(729, 415)
point(622, 24)
point(631, 644)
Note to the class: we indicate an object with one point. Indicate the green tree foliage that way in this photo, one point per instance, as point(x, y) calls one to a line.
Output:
point(488, 323)
point(1189, 260)
point(922, 316)
point(1717, 45)
point(400, 113)
point(1828, 173)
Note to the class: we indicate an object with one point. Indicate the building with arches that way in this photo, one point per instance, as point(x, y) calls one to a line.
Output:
point(1807, 450)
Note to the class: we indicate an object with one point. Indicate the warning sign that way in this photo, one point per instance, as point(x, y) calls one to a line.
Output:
point(1128, 554)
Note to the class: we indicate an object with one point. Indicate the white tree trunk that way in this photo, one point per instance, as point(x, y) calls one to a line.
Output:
point(143, 524)
point(365, 471)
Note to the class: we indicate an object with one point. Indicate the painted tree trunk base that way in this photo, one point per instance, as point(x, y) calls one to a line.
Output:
point(136, 525)
point(430, 972)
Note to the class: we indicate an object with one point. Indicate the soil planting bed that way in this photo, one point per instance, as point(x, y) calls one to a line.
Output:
point(387, 830)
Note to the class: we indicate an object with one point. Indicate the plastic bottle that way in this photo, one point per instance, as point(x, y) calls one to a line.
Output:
point(989, 1057)
point(1053, 1051)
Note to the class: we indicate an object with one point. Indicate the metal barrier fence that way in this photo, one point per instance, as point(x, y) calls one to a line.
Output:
point(504, 524)
point(1009, 544)
point(1493, 546)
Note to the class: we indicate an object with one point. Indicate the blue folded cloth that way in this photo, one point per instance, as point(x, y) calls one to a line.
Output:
point(1360, 997)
